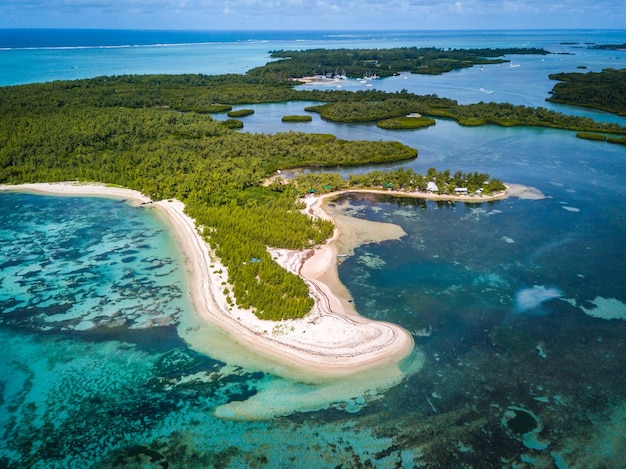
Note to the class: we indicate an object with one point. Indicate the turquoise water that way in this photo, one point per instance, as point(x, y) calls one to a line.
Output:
point(502, 298)
point(80, 263)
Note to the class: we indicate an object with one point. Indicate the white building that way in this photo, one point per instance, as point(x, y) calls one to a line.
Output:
point(432, 187)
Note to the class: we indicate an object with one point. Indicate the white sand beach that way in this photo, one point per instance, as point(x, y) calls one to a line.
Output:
point(344, 357)
point(333, 340)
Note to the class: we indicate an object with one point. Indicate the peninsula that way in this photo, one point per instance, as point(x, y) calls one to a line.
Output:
point(288, 302)
point(333, 339)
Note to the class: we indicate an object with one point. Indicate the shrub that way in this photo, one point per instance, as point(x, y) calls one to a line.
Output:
point(591, 136)
point(241, 113)
point(405, 123)
point(297, 119)
point(232, 124)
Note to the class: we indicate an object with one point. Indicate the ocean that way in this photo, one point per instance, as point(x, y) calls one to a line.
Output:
point(517, 306)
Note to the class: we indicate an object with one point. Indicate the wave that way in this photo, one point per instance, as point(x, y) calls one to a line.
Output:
point(71, 39)
point(117, 46)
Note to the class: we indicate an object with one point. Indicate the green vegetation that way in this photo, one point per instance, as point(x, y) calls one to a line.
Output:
point(373, 106)
point(297, 119)
point(390, 105)
point(602, 138)
point(241, 113)
point(590, 136)
point(401, 179)
point(199, 93)
point(618, 140)
point(213, 108)
point(406, 123)
point(154, 134)
point(605, 90)
point(49, 133)
point(380, 62)
point(232, 124)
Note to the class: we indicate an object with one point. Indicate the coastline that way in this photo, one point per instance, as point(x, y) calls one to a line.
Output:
point(332, 357)
point(332, 341)
point(512, 190)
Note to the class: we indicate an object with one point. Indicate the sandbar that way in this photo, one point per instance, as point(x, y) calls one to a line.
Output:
point(512, 190)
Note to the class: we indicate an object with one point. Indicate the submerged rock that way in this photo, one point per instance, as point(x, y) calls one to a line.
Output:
point(513, 340)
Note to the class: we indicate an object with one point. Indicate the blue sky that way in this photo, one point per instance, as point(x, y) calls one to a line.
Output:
point(313, 14)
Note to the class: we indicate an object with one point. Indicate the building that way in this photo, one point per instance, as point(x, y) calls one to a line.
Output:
point(432, 187)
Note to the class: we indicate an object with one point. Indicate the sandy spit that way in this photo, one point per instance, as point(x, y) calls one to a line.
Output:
point(333, 340)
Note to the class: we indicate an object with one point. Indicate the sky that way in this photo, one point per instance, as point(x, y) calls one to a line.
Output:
point(314, 14)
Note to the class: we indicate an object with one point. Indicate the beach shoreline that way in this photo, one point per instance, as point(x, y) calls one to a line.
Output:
point(333, 339)
point(512, 190)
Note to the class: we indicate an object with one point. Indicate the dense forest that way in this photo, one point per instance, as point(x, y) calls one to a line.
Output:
point(47, 133)
point(356, 63)
point(605, 90)
point(203, 94)
point(155, 134)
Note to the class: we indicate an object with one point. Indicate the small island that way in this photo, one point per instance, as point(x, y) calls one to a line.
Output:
point(605, 90)
point(408, 122)
point(240, 113)
point(296, 119)
point(380, 63)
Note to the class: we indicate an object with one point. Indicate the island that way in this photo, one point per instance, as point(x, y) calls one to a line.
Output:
point(605, 90)
point(271, 285)
point(380, 63)
point(332, 339)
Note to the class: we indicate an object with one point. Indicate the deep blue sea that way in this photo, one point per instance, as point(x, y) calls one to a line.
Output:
point(518, 307)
